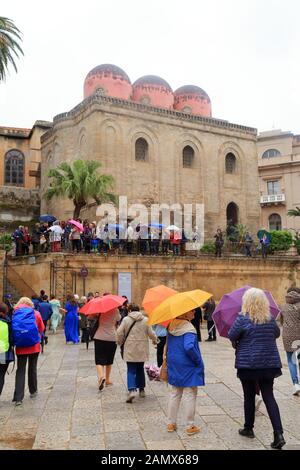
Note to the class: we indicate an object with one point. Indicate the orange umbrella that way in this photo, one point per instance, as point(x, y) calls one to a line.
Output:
point(155, 296)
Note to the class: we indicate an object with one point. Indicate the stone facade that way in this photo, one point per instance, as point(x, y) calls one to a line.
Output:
point(279, 178)
point(20, 200)
point(181, 274)
point(105, 129)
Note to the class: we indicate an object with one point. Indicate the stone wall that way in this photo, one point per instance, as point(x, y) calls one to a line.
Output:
point(216, 276)
point(18, 204)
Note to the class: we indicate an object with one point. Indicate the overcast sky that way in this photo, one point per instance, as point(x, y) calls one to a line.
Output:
point(243, 53)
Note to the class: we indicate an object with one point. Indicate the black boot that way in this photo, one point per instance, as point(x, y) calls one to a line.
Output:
point(246, 432)
point(279, 441)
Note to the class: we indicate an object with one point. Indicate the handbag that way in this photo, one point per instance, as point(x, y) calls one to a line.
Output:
point(163, 374)
point(122, 345)
point(94, 327)
point(43, 240)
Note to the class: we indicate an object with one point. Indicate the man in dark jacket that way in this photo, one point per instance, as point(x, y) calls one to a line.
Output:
point(45, 309)
point(209, 308)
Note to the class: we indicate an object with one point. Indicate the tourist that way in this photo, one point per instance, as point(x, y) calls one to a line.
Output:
point(175, 240)
point(264, 245)
point(25, 353)
point(87, 237)
point(105, 346)
point(46, 311)
point(76, 239)
point(165, 241)
point(129, 239)
point(290, 320)
point(27, 241)
point(124, 309)
point(35, 301)
point(196, 322)
point(55, 235)
point(254, 334)
point(133, 334)
point(6, 346)
point(161, 333)
point(219, 242)
point(56, 316)
point(209, 308)
point(35, 239)
point(248, 244)
point(90, 296)
point(97, 294)
point(185, 370)
point(18, 237)
point(71, 320)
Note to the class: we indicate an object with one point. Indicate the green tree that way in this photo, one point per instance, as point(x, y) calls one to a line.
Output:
point(80, 182)
point(294, 212)
point(9, 45)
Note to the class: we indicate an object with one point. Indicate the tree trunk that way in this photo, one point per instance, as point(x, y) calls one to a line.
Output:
point(77, 209)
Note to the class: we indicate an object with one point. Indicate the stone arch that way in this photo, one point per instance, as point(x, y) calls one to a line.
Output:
point(149, 136)
point(14, 168)
point(230, 147)
point(232, 213)
point(82, 143)
point(189, 140)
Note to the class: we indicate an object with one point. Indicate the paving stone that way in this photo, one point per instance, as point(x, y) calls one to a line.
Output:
point(163, 445)
point(111, 425)
point(124, 441)
point(58, 440)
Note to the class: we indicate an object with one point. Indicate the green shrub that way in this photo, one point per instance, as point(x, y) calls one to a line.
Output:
point(280, 240)
point(297, 245)
point(5, 242)
point(208, 248)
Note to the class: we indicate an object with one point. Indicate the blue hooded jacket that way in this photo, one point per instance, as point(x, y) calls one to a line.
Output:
point(185, 364)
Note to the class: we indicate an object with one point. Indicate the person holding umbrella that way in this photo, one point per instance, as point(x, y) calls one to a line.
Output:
point(254, 333)
point(264, 239)
point(184, 361)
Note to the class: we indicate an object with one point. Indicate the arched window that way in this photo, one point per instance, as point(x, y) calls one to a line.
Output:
point(271, 153)
point(275, 222)
point(14, 168)
point(188, 156)
point(230, 163)
point(141, 150)
point(232, 214)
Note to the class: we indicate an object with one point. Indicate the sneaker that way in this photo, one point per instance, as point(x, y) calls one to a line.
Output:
point(33, 395)
point(19, 403)
point(192, 430)
point(296, 391)
point(246, 432)
point(171, 427)
point(130, 397)
point(142, 394)
point(258, 402)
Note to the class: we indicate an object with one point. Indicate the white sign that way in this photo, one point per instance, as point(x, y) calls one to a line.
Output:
point(124, 285)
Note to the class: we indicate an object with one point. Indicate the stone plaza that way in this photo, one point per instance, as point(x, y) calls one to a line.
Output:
point(70, 413)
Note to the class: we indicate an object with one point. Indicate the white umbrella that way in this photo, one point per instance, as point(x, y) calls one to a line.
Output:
point(173, 227)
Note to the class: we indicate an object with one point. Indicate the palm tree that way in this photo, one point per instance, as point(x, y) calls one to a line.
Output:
point(294, 212)
point(9, 45)
point(80, 183)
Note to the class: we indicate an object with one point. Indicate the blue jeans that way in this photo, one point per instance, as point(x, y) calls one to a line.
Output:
point(293, 367)
point(135, 376)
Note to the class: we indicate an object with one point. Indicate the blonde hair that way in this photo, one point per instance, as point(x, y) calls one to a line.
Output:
point(24, 301)
point(256, 305)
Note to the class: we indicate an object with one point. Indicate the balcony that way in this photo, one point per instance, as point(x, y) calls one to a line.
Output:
point(269, 199)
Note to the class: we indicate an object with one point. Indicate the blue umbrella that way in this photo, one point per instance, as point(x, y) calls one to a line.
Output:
point(157, 225)
point(47, 218)
point(114, 226)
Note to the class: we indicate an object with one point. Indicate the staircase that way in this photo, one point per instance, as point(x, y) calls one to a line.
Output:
point(15, 285)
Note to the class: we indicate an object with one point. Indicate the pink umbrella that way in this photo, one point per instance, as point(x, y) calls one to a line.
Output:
point(231, 305)
point(76, 224)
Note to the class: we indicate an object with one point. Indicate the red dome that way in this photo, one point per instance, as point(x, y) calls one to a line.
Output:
point(154, 91)
point(192, 99)
point(109, 80)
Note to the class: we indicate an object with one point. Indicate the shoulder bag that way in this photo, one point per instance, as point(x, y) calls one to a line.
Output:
point(122, 346)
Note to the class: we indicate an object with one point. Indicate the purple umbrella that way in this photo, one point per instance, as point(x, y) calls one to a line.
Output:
point(231, 305)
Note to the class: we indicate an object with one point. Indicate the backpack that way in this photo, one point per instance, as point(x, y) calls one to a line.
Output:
point(4, 337)
point(24, 330)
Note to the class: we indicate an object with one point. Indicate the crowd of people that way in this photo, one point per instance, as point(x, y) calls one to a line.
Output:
point(106, 238)
point(253, 335)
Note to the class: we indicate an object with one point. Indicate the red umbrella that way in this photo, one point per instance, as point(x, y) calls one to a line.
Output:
point(76, 224)
point(102, 304)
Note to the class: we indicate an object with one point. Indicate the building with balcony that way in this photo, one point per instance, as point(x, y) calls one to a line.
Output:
point(279, 178)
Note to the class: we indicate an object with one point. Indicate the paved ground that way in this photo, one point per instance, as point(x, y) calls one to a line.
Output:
point(70, 413)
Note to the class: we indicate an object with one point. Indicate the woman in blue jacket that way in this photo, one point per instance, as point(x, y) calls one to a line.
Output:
point(254, 334)
point(185, 370)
